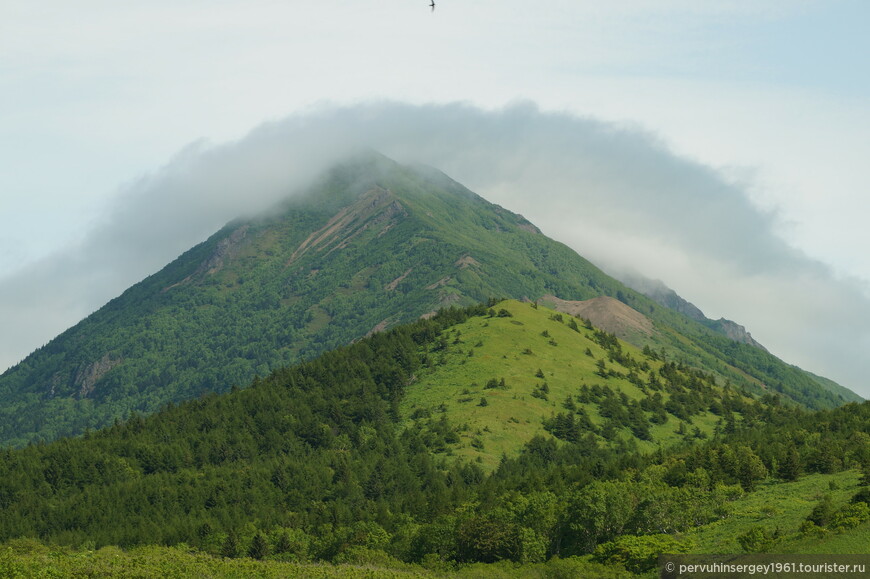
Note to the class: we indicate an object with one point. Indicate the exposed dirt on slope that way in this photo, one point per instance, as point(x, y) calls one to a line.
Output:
point(392, 285)
point(375, 208)
point(380, 327)
point(440, 283)
point(466, 261)
point(606, 313)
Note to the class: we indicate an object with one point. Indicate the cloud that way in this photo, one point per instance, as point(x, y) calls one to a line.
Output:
point(613, 192)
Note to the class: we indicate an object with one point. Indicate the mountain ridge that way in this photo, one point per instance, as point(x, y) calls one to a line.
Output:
point(663, 295)
point(372, 244)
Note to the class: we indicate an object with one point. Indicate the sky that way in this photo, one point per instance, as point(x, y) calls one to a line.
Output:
point(719, 146)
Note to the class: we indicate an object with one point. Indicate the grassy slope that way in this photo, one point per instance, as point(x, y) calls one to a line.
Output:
point(784, 506)
point(513, 416)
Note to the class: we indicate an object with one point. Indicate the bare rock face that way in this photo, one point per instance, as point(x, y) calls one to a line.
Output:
point(667, 297)
point(222, 252)
point(88, 375)
point(216, 261)
point(659, 292)
point(736, 332)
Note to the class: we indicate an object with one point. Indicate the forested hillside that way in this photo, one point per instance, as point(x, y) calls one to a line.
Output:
point(326, 461)
point(372, 245)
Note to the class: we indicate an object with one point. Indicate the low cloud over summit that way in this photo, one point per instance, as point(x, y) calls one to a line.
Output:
point(614, 193)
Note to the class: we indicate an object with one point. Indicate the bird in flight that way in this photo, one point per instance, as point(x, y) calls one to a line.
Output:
point(432, 5)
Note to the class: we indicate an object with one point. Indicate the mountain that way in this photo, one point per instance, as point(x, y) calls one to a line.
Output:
point(371, 245)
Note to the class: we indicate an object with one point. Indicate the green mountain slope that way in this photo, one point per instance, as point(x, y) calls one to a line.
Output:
point(344, 459)
point(372, 245)
point(529, 370)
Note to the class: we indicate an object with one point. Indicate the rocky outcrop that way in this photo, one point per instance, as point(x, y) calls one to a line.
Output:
point(529, 227)
point(88, 375)
point(222, 252)
point(668, 298)
point(218, 258)
point(736, 332)
point(663, 295)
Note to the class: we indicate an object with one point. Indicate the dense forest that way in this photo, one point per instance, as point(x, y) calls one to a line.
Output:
point(315, 462)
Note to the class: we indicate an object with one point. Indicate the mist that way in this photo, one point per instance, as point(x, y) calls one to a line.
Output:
point(614, 193)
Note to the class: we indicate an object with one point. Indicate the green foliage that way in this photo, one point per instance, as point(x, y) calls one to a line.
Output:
point(312, 439)
point(487, 539)
point(757, 540)
point(791, 466)
point(259, 548)
point(640, 554)
point(850, 516)
point(230, 547)
point(323, 461)
point(28, 558)
point(822, 512)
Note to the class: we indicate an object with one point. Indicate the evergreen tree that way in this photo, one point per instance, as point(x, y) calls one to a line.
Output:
point(230, 548)
point(790, 468)
point(259, 548)
point(282, 544)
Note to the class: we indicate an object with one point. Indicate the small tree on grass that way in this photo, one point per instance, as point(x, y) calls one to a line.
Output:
point(757, 540)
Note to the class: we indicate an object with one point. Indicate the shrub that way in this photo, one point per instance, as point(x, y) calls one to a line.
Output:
point(850, 516)
point(639, 554)
point(757, 540)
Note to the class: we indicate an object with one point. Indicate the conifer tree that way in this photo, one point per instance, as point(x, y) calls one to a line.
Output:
point(259, 548)
point(230, 548)
point(790, 468)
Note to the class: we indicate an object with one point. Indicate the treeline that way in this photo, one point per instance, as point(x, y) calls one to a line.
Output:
point(312, 463)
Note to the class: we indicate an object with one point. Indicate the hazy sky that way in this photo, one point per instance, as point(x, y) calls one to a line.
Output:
point(721, 146)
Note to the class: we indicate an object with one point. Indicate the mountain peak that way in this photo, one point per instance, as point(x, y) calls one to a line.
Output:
point(371, 245)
